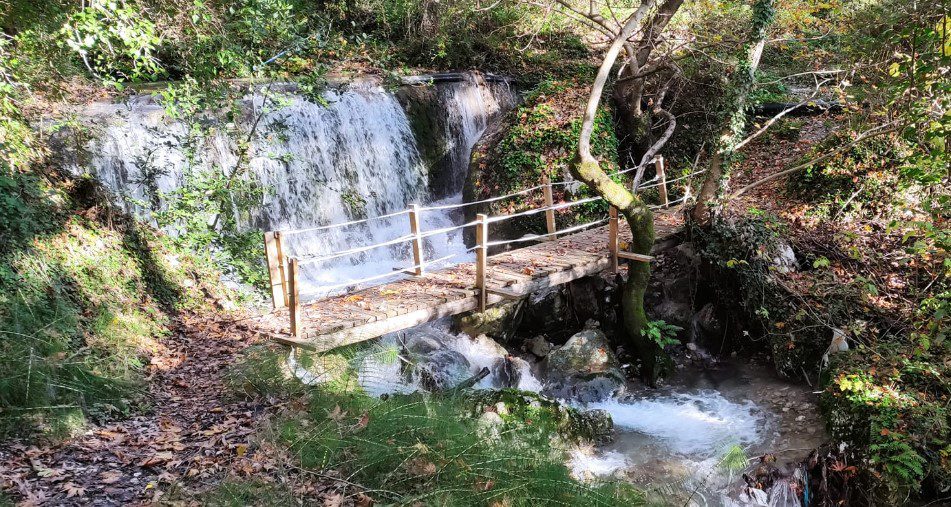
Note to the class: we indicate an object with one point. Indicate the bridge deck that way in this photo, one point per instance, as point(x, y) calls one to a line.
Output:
point(374, 311)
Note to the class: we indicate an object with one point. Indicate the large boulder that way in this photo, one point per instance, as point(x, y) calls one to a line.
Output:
point(585, 368)
point(435, 366)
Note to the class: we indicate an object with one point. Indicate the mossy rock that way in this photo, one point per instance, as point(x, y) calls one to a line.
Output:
point(523, 407)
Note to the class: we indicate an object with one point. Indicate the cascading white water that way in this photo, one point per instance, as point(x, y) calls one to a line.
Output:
point(355, 157)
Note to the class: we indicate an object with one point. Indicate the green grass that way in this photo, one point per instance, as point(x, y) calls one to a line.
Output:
point(423, 448)
point(86, 296)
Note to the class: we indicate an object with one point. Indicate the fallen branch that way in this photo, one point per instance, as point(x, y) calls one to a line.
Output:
point(867, 135)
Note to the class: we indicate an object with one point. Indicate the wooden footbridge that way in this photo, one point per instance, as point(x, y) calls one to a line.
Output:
point(422, 295)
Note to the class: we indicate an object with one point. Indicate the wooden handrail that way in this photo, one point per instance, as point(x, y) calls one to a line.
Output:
point(482, 238)
point(662, 176)
point(549, 202)
point(274, 255)
point(294, 296)
point(417, 239)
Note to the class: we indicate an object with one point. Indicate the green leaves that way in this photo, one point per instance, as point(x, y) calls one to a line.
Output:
point(115, 41)
point(662, 333)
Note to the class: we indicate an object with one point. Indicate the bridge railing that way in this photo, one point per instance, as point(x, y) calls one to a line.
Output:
point(284, 271)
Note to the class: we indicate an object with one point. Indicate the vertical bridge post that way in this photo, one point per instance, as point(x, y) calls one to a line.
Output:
point(294, 297)
point(662, 176)
point(274, 253)
point(549, 202)
point(417, 239)
point(612, 238)
point(482, 238)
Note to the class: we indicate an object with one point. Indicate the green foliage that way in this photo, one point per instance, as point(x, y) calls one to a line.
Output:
point(662, 333)
point(114, 40)
point(419, 448)
point(84, 299)
point(734, 459)
point(892, 405)
point(539, 139)
point(235, 493)
point(422, 448)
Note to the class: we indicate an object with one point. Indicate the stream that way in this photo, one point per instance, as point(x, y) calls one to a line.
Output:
point(671, 441)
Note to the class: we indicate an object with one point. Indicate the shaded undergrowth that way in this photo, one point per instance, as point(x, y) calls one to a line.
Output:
point(86, 295)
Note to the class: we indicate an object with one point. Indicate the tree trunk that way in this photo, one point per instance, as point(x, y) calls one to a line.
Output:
point(638, 216)
point(718, 175)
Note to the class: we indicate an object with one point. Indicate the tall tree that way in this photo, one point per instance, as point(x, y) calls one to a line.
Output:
point(718, 175)
point(637, 36)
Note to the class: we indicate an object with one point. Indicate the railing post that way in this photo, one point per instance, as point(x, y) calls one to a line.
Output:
point(549, 202)
point(482, 239)
point(662, 176)
point(274, 254)
point(612, 237)
point(294, 296)
point(417, 239)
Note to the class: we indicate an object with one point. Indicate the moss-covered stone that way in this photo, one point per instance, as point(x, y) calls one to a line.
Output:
point(522, 407)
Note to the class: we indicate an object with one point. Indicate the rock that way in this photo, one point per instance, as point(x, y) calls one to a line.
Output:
point(518, 407)
point(687, 254)
point(437, 367)
point(585, 353)
point(584, 368)
point(421, 344)
point(442, 369)
point(785, 259)
point(600, 426)
point(508, 370)
point(592, 324)
point(499, 321)
point(707, 319)
point(674, 312)
point(539, 346)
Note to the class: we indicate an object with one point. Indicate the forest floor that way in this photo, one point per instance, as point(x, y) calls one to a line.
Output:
point(197, 435)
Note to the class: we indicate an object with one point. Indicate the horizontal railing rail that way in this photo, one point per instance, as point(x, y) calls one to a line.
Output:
point(284, 271)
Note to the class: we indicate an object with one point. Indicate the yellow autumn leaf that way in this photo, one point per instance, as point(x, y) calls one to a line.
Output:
point(894, 70)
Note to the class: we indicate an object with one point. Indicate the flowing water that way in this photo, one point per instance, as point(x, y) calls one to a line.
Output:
point(677, 442)
point(355, 157)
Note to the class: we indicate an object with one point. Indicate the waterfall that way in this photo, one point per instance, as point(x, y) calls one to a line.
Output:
point(355, 157)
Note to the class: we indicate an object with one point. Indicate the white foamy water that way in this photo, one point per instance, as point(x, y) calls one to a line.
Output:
point(689, 424)
point(356, 157)
point(589, 463)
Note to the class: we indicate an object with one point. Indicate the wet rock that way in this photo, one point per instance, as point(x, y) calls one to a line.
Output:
point(437, 367)
point(584, 368)
point(442, 369)
point(422, 344)
point(507, 372)
point(539, 346)
point(600, 426)
point(522, 407)
point(498, 322)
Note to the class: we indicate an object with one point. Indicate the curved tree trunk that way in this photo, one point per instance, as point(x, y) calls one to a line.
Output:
point(640, 219)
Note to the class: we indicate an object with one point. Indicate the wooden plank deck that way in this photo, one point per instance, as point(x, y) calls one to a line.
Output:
point(372, 312)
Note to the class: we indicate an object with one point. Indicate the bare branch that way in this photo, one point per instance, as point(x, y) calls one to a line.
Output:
point(866, 135)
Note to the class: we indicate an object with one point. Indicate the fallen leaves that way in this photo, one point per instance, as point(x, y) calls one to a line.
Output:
point(73, 490)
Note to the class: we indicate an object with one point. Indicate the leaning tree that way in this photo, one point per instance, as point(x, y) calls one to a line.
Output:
point(647, 68)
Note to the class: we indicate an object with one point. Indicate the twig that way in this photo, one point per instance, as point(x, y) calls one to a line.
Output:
point(868, 134)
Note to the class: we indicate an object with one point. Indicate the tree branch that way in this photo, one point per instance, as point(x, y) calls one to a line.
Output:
point(866, 135)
